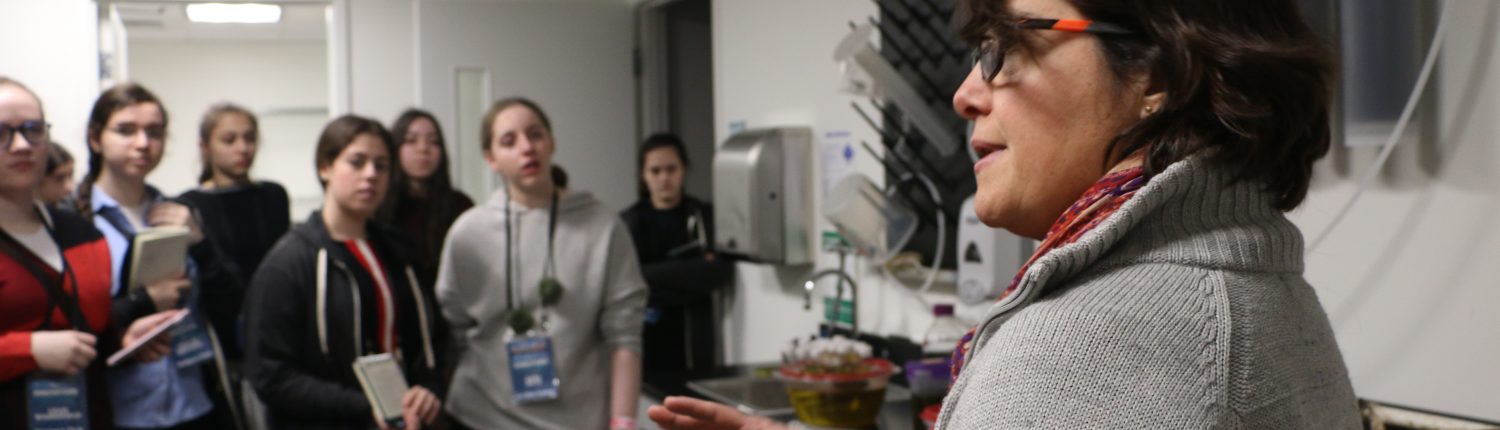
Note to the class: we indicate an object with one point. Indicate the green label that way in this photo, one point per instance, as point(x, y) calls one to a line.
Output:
point(842, 315)
point(834, 242)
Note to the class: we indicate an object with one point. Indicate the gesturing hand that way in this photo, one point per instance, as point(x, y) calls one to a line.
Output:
point(683, 413)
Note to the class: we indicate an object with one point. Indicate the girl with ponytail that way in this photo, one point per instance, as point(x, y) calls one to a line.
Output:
point(240, 216)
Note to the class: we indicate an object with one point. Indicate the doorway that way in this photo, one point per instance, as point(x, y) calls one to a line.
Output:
point(278, 70)
point(676, 94)
point(678, 83)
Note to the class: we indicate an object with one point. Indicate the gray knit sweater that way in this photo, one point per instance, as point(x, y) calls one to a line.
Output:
point(1184, 309)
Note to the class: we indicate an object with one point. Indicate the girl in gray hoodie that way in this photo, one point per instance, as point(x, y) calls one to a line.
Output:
point(494, 261)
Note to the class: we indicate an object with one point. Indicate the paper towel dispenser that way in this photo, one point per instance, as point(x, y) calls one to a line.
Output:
point(761, 198)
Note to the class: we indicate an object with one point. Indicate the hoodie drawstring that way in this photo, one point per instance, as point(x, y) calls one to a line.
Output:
point(322, 308)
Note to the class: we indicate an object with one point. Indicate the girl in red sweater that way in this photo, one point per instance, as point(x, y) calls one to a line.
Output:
point(54, 281)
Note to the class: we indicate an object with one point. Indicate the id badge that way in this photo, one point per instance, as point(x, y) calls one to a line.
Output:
point(56, 402)
point(533, 374)
point(653, 315)
point(190, 343)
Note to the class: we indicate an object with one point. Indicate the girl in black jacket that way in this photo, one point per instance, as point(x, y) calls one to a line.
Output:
point(337, 288)
point(674, 235)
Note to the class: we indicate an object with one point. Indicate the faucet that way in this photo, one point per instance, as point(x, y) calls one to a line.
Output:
point(811, 283)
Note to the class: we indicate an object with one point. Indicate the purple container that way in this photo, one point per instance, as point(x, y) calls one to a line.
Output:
point(929, 376)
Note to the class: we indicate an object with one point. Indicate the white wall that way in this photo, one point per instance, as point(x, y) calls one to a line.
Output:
point(1410, 278)
point(572, 58)
point(382, 79)
point(268, 77)
point(773, 66)
point(53, 48)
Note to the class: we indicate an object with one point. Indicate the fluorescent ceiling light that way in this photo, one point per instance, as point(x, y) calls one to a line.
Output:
point(237, 13)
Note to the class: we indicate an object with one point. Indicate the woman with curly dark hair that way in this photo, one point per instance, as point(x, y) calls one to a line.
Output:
point(1152, 147)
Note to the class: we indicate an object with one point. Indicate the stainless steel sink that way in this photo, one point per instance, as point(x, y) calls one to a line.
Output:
point(766, 397)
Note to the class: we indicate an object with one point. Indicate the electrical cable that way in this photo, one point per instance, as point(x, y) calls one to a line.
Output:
point(942, 233)
point(937, 259)
point(1390, 143)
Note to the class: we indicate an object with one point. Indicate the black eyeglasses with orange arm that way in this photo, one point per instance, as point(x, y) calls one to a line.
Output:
point(991, 54)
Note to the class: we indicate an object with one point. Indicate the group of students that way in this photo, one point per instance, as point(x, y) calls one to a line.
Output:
point(396, 261)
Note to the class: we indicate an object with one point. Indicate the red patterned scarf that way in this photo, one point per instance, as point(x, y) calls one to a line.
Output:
point(1099, 202)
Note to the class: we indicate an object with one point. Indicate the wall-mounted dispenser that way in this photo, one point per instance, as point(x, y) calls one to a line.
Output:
point(988, 257)
point(762, 206)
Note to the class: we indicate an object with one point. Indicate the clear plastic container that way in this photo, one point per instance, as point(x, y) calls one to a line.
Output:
point(842, 400)
point(944, 333)
point(871, 221)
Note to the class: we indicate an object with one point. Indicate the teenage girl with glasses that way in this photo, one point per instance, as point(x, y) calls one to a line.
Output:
point(127, 132)
point(55, 325)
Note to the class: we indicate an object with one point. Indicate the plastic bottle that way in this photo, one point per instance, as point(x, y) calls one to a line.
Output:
point(928, 378)
point(943, 335)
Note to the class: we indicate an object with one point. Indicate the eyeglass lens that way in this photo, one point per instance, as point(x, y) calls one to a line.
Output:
point(989, 58)
point(34, 131)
